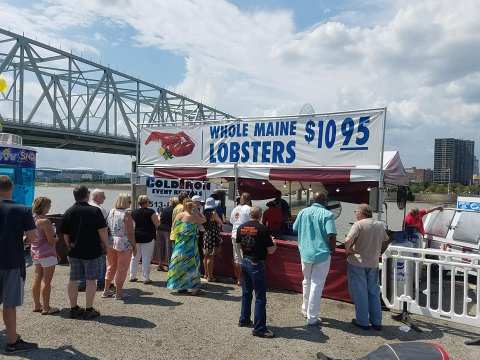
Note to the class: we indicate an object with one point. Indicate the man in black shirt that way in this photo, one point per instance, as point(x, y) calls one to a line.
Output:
point(15, 221)
point(85, 232)
point(256, 243)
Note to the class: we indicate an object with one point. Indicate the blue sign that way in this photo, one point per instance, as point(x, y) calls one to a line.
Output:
point(469, 205)
point(17, 157)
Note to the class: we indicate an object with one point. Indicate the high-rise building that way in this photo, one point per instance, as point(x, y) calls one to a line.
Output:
point(453, 161)
point(476, 170)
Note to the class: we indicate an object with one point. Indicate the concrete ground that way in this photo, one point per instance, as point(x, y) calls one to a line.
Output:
point(154, 324)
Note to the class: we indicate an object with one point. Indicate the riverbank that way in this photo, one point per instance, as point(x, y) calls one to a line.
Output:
point(436, 198)
point(87, 184)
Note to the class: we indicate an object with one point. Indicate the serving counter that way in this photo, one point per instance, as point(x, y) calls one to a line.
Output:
point(284, 268)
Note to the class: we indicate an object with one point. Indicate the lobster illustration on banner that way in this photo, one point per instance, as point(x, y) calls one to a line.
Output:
point(173, 145)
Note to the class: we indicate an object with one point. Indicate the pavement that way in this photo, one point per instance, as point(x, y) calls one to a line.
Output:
point(155, 324)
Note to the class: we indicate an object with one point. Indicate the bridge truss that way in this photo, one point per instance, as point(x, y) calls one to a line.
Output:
point(60, 100)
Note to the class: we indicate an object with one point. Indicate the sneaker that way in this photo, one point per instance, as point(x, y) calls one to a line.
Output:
point(147, 282)
point(475, 341)
point(90, 314)
point(266, 334)
point(363, 327)
point(133, 280)
point(245, 324)
point(108, 294)
point(377, 327)
point(76, 312)
point(20, 346)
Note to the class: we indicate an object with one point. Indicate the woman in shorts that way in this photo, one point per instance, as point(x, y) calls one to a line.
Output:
point(44, 257)
point(121, 225)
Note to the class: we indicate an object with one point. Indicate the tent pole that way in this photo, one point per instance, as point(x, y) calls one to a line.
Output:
point(380, 180)
point(235, 191)
point(290, 194)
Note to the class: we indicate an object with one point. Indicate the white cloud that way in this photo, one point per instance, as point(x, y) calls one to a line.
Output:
point(420, 58)
point(45, 24)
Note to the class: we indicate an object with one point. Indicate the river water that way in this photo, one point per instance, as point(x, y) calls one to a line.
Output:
point(62, 199)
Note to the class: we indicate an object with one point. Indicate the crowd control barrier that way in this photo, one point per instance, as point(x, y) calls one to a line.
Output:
point(440, 284)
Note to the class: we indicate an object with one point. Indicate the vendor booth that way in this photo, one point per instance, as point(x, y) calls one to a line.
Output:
point(18, 163)
point(340, 152)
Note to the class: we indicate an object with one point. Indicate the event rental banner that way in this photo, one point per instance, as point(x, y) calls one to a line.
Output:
point(159, 190)
point(351, 139)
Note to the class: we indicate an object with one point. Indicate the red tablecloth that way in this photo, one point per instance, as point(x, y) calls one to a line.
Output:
point(284, 269)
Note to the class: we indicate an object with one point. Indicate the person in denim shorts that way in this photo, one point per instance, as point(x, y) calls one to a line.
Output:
point(85, 232)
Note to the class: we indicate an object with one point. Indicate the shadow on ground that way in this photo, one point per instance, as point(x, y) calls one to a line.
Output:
point(392, 332)
point(126, 321)
point(219, 292)
point(306, 333)
point(63, 352)
point(140, 297)
point(122, 321)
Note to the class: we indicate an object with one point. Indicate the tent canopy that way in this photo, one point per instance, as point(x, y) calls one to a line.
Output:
point(343, 184)
point(394, 173)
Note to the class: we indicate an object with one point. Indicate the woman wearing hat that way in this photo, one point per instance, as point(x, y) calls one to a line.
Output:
point(211, 239)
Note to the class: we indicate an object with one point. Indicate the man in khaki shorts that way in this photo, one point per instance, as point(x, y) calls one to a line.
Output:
point(15, 221)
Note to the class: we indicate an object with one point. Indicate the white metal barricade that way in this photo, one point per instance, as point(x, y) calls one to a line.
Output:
point(435, 283)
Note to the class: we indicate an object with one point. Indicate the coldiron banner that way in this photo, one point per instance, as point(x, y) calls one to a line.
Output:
point(160, 190)
point(353, 139)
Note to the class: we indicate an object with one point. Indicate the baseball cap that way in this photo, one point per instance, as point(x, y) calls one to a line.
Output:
point(197, 198)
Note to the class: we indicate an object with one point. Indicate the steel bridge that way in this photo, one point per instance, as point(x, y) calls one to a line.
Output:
point(59, 100)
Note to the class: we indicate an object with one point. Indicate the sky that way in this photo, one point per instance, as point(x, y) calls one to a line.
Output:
point(421, 59)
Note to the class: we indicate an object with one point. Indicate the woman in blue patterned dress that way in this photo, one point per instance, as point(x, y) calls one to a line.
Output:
point(183, 271)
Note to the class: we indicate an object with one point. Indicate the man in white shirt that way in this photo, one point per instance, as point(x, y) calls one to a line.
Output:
point(97, 199)
point(240, 215)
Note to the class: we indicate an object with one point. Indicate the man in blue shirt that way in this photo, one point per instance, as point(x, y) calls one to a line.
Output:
point(316, 230)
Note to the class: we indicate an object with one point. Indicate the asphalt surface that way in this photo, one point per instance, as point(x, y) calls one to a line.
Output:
point(155, 324)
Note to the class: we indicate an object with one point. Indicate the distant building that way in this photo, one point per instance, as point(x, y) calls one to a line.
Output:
point(70, 175)
point(476, 180)
point(453, 161)
point(419, 176)
point(476, 170)
point(48, 174)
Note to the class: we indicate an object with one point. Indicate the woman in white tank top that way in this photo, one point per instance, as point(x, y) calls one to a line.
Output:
point(119, 254)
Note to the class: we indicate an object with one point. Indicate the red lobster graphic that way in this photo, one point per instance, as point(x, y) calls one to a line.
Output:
point(179, 144)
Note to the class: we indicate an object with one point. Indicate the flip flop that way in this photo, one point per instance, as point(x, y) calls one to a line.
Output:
point(51, 311)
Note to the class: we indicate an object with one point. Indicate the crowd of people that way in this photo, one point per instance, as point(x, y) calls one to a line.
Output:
point(105, 247)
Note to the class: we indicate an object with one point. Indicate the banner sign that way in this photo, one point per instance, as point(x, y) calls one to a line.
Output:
point(17, 157)
point(159, 191)
point(468, 203)
point(335, 140)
